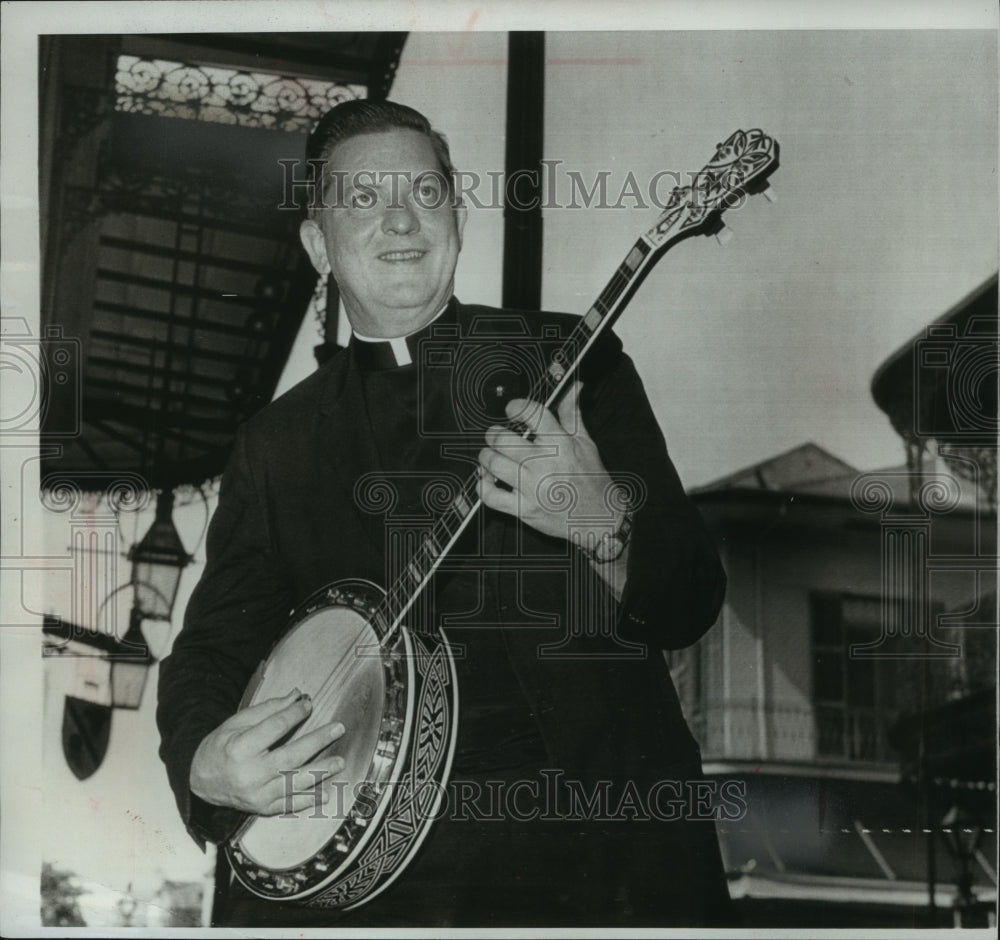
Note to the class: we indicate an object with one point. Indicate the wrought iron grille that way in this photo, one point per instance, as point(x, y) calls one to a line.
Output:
point(226, 96)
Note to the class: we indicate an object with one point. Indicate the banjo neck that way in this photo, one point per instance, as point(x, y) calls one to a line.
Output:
point(740, 167)
point(564, 363)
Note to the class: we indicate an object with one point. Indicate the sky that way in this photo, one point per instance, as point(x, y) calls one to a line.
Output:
point(886, 215)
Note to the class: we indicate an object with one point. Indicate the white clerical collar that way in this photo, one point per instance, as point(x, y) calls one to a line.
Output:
point(398, 345)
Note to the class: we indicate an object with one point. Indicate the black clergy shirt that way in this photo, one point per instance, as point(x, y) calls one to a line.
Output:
point(497, 731)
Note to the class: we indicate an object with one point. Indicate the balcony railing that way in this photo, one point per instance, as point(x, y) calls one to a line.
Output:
point(855, 734)
point(743, 730)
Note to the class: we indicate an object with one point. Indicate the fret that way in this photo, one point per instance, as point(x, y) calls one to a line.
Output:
point(448, 523)
point(428, 554)
point(441, 539)
point(390, 608)
point(621, 279)
point(381, 618)
point(614, 289)
point(636, 256)
point(462, 505)
point(592, 319)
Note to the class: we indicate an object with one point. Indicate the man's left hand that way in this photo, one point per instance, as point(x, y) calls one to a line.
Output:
point(555, 475)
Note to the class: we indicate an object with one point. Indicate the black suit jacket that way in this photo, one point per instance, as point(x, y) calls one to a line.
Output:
point(288, 523)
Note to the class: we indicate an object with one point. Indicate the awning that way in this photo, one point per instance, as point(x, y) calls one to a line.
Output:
point(820, 837)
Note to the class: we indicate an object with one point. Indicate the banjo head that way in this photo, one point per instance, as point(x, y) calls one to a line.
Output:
point(332, 653)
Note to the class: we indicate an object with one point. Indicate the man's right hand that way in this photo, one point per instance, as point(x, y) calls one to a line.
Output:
point(234, 765)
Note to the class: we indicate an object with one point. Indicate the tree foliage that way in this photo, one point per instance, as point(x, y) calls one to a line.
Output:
point(59, 898)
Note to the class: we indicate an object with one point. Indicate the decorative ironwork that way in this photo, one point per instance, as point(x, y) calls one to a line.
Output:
point(976, 464)
point(225, 96)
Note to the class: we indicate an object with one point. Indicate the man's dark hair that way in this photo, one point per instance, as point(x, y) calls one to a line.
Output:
point(355, 118)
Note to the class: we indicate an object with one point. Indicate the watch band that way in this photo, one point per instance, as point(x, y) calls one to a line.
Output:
point(610, 546)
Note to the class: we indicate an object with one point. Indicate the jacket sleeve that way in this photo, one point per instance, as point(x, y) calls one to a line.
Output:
point(675, 583)
point(234, 616)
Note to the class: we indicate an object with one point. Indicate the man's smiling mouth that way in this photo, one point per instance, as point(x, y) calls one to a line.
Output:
point(411, 255)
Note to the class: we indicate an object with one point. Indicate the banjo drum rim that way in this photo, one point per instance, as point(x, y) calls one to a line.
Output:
point(357, 595)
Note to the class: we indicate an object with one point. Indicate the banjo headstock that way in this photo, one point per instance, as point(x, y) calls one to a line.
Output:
point(740, 167)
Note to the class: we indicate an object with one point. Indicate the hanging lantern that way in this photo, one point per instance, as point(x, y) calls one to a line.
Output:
point(108, 673)
point(130, 666)
point(157, 562)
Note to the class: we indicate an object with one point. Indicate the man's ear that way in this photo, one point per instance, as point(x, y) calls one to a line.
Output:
point(461, 214)
point(314, 243)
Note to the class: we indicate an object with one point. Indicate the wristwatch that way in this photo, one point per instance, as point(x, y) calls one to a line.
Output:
point(610, 546)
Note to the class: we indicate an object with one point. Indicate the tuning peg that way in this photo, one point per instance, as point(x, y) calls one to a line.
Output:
point(724, 235)
point(769, 194)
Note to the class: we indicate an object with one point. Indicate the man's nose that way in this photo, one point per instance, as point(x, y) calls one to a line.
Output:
point(400, 219)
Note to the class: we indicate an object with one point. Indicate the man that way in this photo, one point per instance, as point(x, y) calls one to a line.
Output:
point(559, 625)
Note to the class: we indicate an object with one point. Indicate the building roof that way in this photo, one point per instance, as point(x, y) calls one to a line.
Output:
point(942, 384)
point(806, 464)
point(810, 473)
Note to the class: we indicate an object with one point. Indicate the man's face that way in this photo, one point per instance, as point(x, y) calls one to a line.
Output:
point(390, 238)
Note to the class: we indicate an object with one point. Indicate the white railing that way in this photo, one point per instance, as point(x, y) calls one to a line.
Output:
point(741, 729)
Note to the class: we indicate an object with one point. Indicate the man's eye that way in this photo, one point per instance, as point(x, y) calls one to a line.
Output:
point(363, 200)
point(429, 190)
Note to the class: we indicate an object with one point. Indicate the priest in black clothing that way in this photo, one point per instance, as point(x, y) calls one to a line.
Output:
point(584, 801)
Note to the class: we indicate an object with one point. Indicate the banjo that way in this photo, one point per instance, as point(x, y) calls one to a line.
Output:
point(391, 680)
